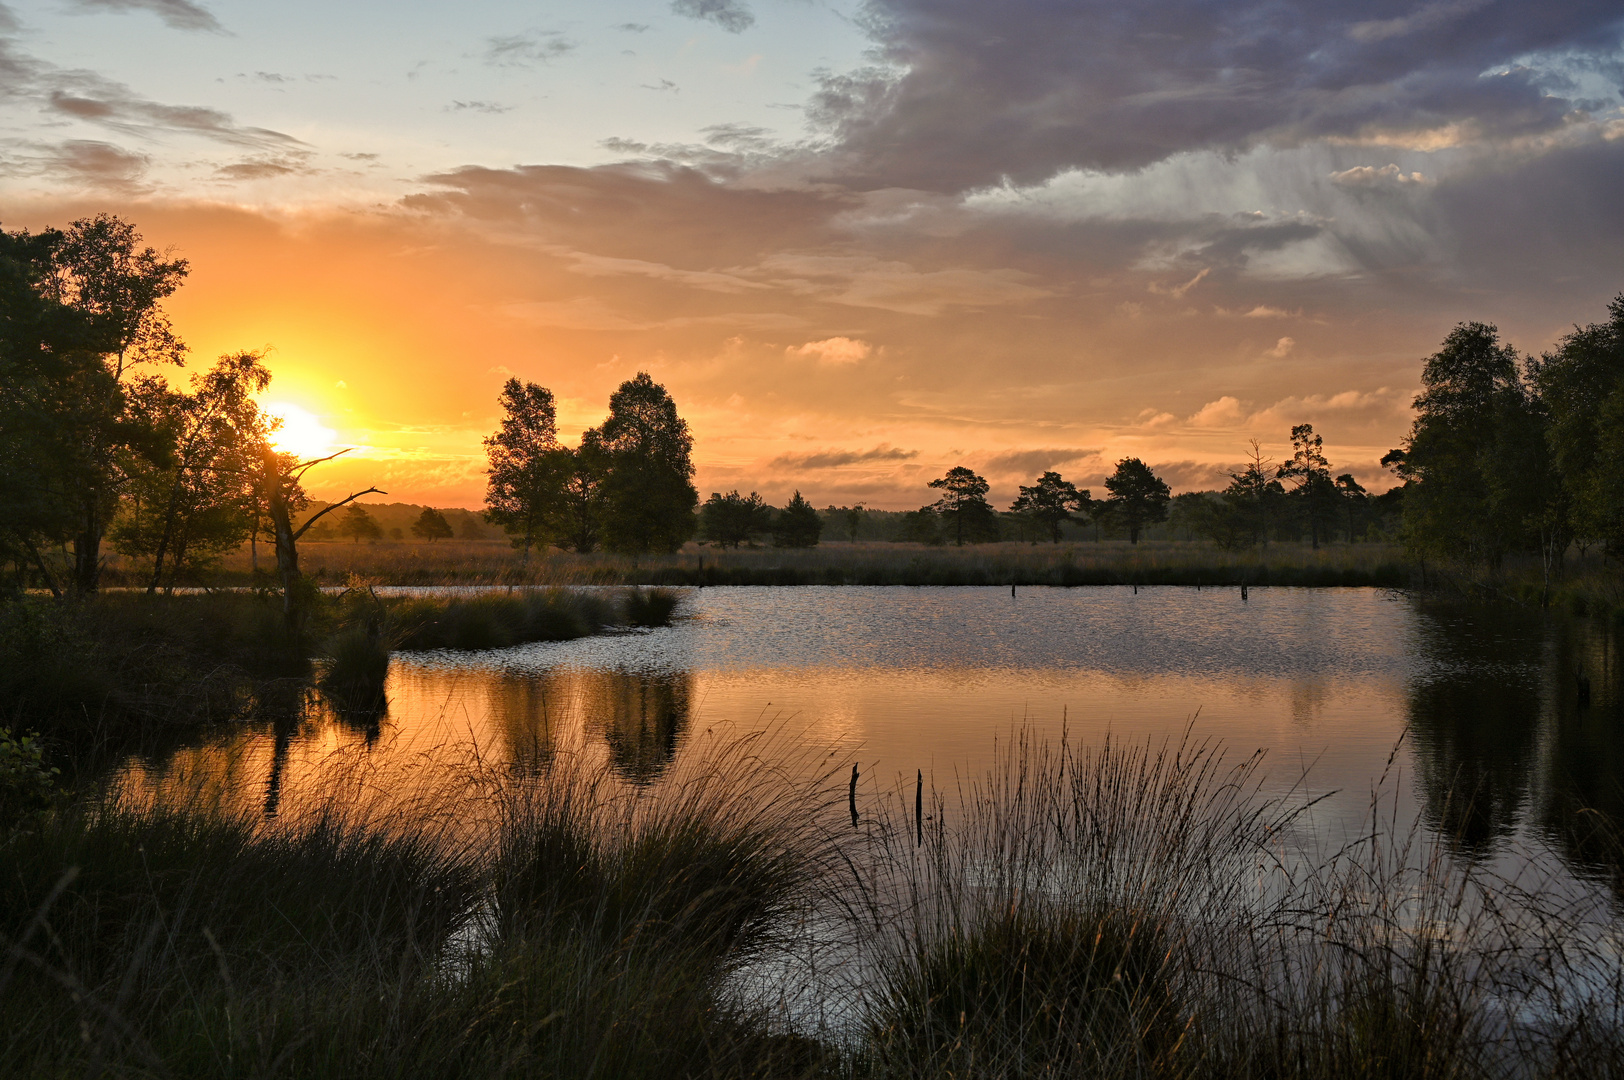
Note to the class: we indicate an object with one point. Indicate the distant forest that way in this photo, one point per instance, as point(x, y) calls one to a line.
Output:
point(1509, 454)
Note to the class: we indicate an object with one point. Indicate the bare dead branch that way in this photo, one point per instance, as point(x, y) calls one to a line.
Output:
point(327, 510)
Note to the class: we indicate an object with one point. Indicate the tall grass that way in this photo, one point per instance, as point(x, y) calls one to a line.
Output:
point(1116, 911)
point(1071, 563)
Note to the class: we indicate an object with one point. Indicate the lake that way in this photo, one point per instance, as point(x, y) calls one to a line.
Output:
point(1327, 681)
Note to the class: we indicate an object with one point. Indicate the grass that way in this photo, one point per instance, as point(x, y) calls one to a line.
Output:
point(1112, 562)
point(1117, 911)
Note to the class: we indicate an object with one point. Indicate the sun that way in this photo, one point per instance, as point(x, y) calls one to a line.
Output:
point(301, 433)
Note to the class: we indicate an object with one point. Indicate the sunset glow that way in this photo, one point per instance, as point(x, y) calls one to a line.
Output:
point(860, 243)
point(299, 432)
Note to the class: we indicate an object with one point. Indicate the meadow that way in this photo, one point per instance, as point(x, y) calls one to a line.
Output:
point(1114, 911)
point(1111, 562)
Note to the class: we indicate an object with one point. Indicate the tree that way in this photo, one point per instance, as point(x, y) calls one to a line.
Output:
point(1051, 502)
point(526, 478)
point(359, 525)
point(798, 524)
point(1479, 479)
point(1354, 499)
point(733, 519)
point(201, 502)
point(922, 526)
point(1253, 501)
point(1581, 388)
point(1138, 496)
point(281, 494)
point(852, 516)
point(1316, 494)
point(431, 525)
point(963, 508)
point(581, 506)
point(83, 319)
point(648, 497)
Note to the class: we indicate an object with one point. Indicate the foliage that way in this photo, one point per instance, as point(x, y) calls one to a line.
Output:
point(1315, 495)
point(1581, 386)
point(27, 783)
point(798, 524)
point(359, 525)
point(202, 501)
point(1480, 480)
point(733, 519)
point(526, 467)
point(1138, 496)
point(80, 416)
point(431, 525)
point(963, 510)
point(1051, 502)
point(648, 495)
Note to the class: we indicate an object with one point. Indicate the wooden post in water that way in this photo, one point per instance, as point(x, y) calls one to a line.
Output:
point(919, 809)
point(854, 795)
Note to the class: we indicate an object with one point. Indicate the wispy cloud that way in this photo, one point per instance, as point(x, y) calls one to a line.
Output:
point(180, 14)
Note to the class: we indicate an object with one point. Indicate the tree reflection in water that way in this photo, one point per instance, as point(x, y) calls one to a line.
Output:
point(1583, 807)
point(1474, 712)
point(641, 716)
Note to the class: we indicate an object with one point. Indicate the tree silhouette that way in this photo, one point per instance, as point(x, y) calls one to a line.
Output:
point(1138, 496)
point(1316, 492)
point(1051, 502)
point(963, 507)
point(431, 525)
point(82, 321)
point(359, 525)
point(733, 519)
point(648, 497)
point(526, 475)
point(797, 525)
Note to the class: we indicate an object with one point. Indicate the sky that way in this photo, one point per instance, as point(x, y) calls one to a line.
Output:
point(860, 241)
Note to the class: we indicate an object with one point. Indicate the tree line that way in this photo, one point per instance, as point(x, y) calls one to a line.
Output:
point(98, 449)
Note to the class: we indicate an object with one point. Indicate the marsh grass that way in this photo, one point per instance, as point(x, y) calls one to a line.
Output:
point(1123, 910)
point(1167, 562)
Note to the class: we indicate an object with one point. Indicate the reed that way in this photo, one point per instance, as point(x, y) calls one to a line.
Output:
point(1166, 562)
point(1125, 910)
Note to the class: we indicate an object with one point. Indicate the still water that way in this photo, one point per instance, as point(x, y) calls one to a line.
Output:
point(1328, 681)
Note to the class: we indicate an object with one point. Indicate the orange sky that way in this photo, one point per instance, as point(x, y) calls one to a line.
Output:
point(858, 251)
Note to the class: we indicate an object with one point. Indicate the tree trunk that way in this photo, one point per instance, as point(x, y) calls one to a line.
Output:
point(87, 555)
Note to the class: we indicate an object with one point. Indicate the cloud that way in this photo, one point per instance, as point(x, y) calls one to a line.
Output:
point(967, 96)
point(632, 27)
point(179, 14)
point(523, 50)
point(1281, 348)
point(730, 15)
point(490, 107)
point(262, 168)
point(835, 351)
point(1226, 412)
point(1177, 291)
point(1426, 17)
point(1031, 463)
point(90, 98)
point(865, 281)
point(834, 459)
point(1366, 176)
point(98, 163)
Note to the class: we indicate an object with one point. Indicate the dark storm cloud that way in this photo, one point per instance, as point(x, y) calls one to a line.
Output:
point(180, 14)
point(730, 15)
point(975, 93)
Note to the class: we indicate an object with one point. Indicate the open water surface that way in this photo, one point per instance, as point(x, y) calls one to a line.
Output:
point(1327, 681)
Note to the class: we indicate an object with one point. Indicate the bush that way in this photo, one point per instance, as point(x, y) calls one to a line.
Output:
point(27, 784)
